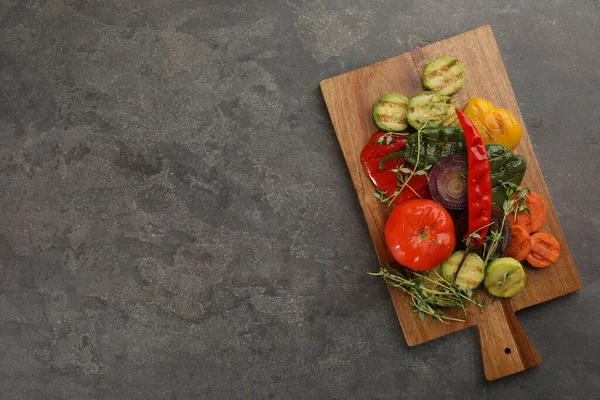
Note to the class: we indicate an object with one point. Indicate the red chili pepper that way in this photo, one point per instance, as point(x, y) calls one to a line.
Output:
point(479, 181)
point(385, 179)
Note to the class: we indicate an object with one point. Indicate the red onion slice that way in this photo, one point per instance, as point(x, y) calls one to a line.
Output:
point(447, 182)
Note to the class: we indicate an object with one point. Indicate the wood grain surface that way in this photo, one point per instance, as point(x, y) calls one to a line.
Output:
point(350, 98)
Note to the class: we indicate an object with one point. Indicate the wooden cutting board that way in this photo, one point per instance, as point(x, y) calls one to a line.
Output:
point(350, 97)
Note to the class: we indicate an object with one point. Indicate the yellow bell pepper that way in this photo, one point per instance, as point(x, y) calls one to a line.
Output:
point(495, 125)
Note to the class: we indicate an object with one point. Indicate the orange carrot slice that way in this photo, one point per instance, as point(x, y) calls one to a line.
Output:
point(533, 220)
point(545, 250)
point(520, 244)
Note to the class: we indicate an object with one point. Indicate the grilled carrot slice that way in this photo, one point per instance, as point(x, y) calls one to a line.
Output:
point(545, 250)
point(533, 220)
point(520, 244)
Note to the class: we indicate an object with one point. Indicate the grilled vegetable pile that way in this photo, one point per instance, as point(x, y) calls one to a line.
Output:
point(461, 217)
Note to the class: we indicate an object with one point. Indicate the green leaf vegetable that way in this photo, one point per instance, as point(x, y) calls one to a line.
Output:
point(505, 167)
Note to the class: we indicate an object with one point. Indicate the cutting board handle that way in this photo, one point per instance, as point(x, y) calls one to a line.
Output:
point(505, 347)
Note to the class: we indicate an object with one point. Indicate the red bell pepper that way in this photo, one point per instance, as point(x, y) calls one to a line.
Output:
point(384, 178)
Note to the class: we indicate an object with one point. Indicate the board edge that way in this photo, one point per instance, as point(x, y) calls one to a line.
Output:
point(482, 27)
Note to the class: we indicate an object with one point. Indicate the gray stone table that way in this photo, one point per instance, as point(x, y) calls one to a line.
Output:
point(177, 221)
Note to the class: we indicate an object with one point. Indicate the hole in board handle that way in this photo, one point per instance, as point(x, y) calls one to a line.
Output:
point(507, 351)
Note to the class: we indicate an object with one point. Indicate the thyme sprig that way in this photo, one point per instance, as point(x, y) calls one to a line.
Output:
point(506, 276)
point(430, 292)
point(519, 204)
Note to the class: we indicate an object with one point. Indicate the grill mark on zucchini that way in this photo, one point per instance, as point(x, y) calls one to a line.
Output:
point(466, 270)
point(448, 83)
point(445, 68)
point(428, 107)
point(444, 75)
point(451, 119)
point(390, 112)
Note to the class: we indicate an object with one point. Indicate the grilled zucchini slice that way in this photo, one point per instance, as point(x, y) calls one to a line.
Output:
point(471, 272)
point(451, 119)
point(465, 270)
point(444, 75)
point(390, 112)
point(504, 277)
point(451, 265)
point(428, 109)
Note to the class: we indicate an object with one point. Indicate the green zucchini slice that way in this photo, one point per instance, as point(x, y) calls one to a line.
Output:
point(466, 271)
point(444, 75)
point(471, 272)
point(504, 277)
point(428, 109)
point(390, 112)
point(451, 119)
point(451, 265)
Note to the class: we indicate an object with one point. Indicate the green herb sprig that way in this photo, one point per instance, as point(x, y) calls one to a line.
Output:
point(503, 281)
point(518, 204)
point(430, 292)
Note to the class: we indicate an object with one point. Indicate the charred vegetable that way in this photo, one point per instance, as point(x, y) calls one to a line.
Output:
point(532, 214)
point(390, 112)
point(471, 272)
point(545, 250)
point(465, 270)
point(506, 166)
point(451, 117)
point(520, 244)
point(444, 75)
point(504, 277)
point(452, 264)
point(436, 143)
point(429, 109)
point(479, 184)
point(496, 125)
point(447, 183)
